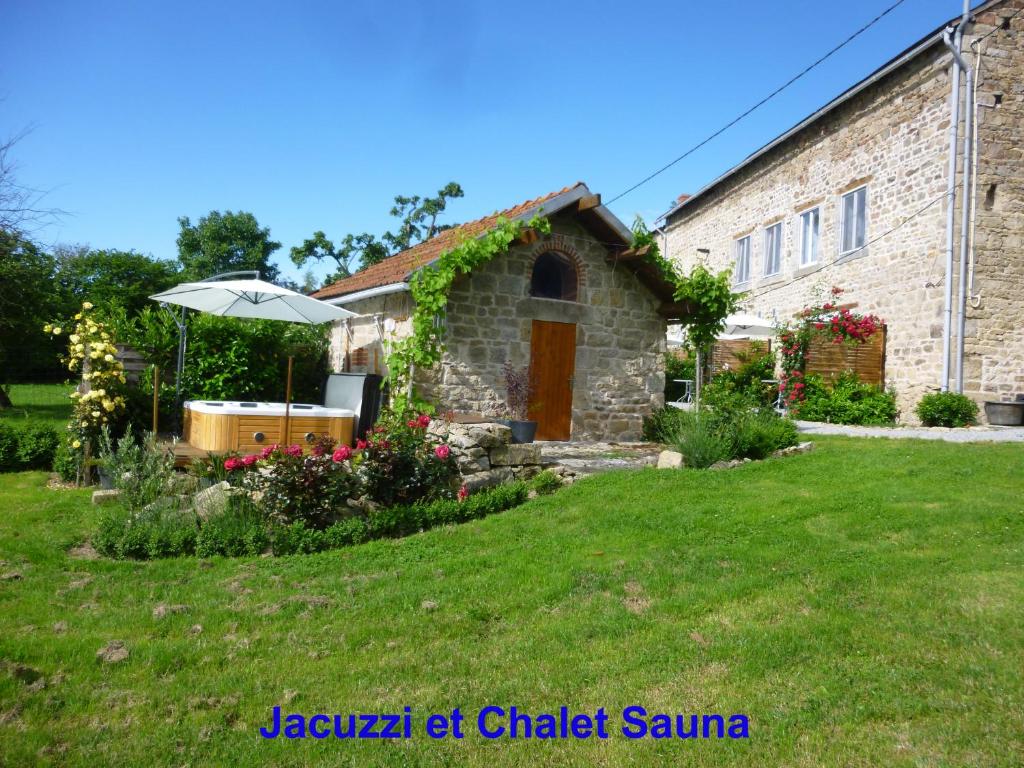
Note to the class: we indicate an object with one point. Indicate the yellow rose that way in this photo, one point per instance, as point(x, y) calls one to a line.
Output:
point(79, 347)
point(74, 337)
point(86, 305)
point(94, 355)
point(47, 328)
point(109, 358)
point(108, 406)
point(96, 414)
point(56, 331)
point(78, 316)
point(76, 444)
point(85, 423)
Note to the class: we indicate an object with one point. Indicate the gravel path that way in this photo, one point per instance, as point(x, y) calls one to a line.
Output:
point(965, 435)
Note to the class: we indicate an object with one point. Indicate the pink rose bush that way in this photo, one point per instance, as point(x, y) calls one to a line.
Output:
point(395, 463)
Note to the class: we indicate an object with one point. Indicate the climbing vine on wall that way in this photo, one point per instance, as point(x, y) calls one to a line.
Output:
point(429, 288)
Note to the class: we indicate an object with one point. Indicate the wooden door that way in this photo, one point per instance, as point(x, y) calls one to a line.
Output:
point(552, 365)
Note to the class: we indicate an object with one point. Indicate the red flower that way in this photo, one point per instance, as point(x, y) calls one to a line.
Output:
point(294, 450)
point(266, 452)
point(232, 464)
point(423, 420)
point(249, 460)
point(442, 452)
point(344, 453)
point(411, 423)
point(360, 444)
point(463, 493)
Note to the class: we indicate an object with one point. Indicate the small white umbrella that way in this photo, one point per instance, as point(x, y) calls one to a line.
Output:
point(254, 299)
point(744, 326)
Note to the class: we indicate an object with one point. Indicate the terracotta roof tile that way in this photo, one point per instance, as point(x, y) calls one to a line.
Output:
point(397, 268)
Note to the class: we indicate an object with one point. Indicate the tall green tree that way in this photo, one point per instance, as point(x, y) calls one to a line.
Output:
point(29, 297)
point(419, 222)
point(111, 277)
point(225, 242)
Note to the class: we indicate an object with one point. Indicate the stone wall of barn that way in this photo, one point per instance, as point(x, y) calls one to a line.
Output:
point(620, 338)
point(994, 360)
point(893, 137)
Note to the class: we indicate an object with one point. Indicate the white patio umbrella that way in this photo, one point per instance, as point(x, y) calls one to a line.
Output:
point(250, 298)
point(744, 326)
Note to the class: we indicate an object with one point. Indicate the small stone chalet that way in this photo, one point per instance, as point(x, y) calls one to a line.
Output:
point(576, 306)
point(856, 195)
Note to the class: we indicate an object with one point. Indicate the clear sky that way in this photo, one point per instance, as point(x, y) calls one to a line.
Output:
point(313, 115)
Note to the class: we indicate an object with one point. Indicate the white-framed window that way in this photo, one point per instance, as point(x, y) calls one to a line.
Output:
point(810, 228)
point(773, 249)
point(853, 220)
point(743, 260)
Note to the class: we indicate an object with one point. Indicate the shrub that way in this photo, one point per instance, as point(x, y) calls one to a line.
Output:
point(298, 538)
point(161, 530)
point(141, 471)
point(661, 424)
point(399, 466)
point(546, 482)
point(759, 434)
point(67, 462)
point(240, 530)
point(27, 446)
point(292, 486)
point(849, 401)
point(947, 409)
point(699, 436)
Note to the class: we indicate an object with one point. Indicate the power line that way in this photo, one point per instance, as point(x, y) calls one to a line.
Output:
point(762, 102)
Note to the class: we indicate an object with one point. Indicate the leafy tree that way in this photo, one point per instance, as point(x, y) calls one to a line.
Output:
point(28, 298)
point(225, 242)
point(709, 300)
point(418, 217)
point(111, 277)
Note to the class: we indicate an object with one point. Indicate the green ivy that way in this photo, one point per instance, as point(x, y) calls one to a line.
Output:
point(430, 287)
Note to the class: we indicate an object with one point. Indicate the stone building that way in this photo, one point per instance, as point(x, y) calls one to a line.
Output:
point(572, 306)
point(856, 196)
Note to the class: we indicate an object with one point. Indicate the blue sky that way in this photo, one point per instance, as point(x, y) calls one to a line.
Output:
point(313, 115)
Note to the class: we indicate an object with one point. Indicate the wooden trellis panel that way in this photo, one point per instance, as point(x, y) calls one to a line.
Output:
point(867, 360)
point(728, 352)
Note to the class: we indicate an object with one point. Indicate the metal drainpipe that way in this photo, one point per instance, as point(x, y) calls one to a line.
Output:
point(954, 128)
point(965, 231)
point(965, 202)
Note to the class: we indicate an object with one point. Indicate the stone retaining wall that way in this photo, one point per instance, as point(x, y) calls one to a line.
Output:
point(485, 453)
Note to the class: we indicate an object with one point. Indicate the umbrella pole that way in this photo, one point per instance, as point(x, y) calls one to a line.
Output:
point(287, 400)
point(156, 396)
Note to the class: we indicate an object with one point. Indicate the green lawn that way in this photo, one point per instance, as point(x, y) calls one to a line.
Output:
point(47, 403)
point(863, 604)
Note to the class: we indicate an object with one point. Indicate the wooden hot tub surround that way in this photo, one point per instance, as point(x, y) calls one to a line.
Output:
point(221, 426)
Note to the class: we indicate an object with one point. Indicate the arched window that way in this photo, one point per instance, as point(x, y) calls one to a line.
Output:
point(554, 277)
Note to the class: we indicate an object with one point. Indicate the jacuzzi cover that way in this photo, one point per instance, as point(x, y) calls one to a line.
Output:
point(242, 408)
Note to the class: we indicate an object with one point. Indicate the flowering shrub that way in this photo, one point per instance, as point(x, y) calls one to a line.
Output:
point(395, 464)
point(838, 324)
point(290, 486)
point(99, 401)
point(399, 465)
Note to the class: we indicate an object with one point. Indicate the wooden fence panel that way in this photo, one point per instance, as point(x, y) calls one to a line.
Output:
point(728, 352)
point(867, 360)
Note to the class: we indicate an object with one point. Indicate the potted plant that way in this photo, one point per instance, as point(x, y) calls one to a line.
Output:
point(518, 388)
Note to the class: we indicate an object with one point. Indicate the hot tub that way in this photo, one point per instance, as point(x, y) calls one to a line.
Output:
point(226, 425)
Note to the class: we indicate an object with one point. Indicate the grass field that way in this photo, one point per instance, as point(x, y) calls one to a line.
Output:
point(863, 604)
point(47, 403)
